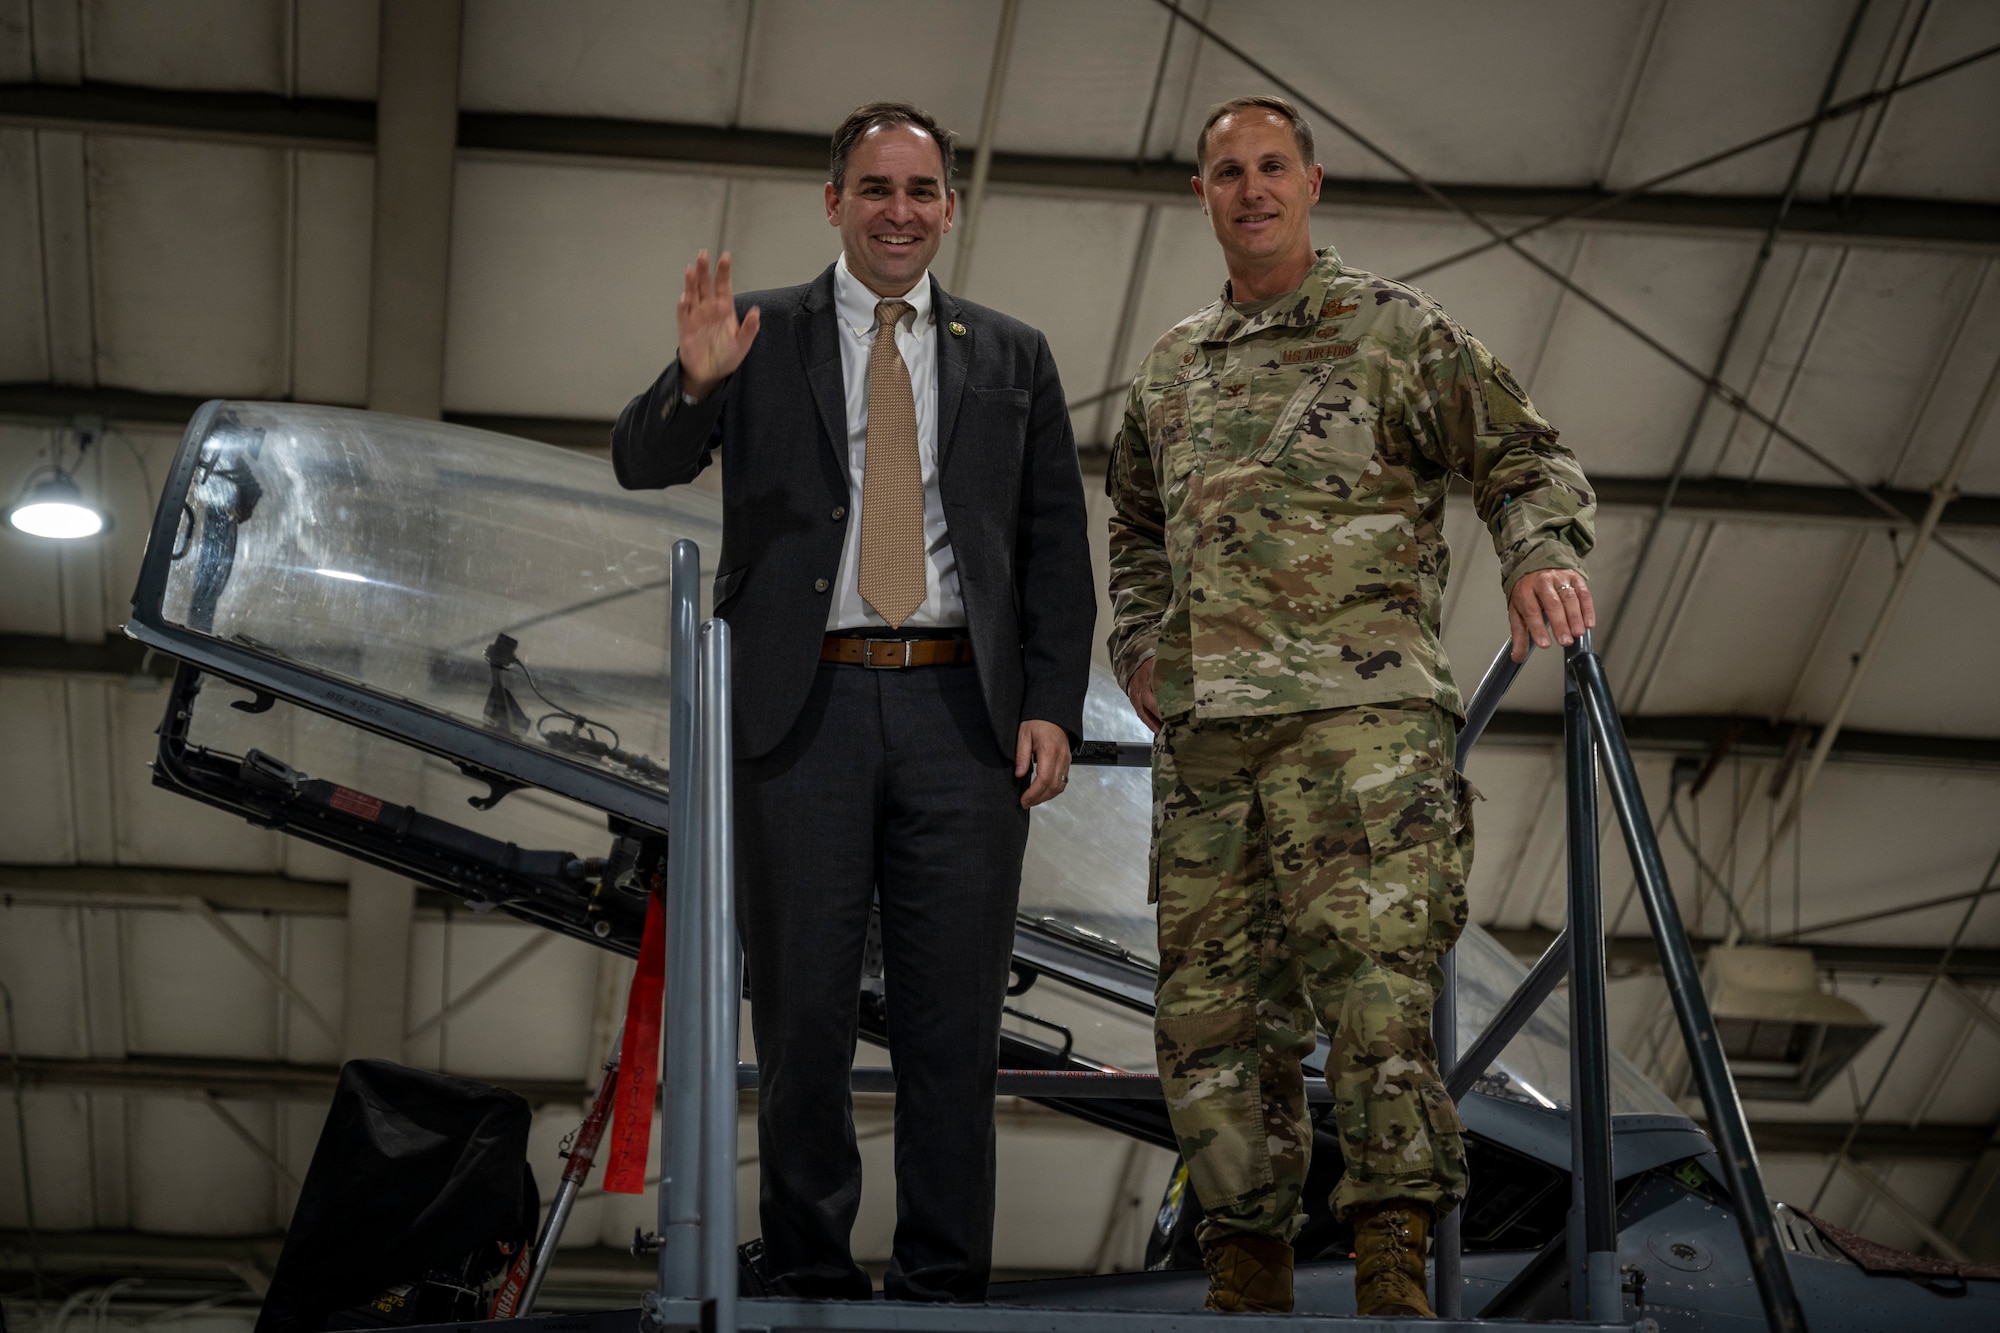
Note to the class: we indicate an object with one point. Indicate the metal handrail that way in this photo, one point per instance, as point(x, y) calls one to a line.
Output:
point(704, 973)
point(1593, 734)
point(722, 983)
point(680, 1152)
point(1728, 1127)
point(1593, 1228)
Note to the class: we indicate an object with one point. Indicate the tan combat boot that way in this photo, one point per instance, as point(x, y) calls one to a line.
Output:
point(1248, 1274)
point(1389, 1243)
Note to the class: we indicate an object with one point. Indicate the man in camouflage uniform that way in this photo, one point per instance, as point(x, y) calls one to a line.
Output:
point(1277, 565)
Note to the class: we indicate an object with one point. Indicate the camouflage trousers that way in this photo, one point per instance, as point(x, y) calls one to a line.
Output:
point(1309, 869)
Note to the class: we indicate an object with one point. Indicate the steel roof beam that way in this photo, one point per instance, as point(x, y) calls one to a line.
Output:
point(327, 123)
point(1632, 955)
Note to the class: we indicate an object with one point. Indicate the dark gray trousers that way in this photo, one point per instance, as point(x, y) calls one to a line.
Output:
point(889, 785)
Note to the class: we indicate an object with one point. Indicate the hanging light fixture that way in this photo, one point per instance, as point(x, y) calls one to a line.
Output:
point(52, 505)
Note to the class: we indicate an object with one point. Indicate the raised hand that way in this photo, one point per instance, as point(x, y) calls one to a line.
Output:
point(713, 341)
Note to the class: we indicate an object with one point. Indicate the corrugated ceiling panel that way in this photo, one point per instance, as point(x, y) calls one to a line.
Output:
point(1721, 73)
point(313, 955)
point(190, 992)
point(1062, 265)
point(1870, 843)
point(60, 1153)
point(1875, 350)
point(1934, 672)
point(1078, 79)
point(625, 58)
point(337, 43)
point(777, 235)
point(1930, 145)
point(36, 793)
point(191, 1175)
point(538, 1026)
point(1601, 384)
point(1966, 372)
point(1739, 641)
point(239, 45)
point(17, 56)
point(188, 265)
point(334, 240)
point(24, 345)
point(564, 281)
point(1185, 274)
point(41, 958)
point(1421, 82)
point(799, 77)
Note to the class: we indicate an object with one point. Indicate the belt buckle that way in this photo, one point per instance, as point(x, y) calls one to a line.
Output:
point(868, 656)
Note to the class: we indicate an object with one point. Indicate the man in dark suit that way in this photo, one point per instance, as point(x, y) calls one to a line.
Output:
point(907, 582)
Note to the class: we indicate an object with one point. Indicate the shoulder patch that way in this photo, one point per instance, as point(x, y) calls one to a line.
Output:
point(1508, 382)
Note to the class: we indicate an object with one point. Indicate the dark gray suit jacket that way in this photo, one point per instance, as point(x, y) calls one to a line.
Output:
point(1008, 479)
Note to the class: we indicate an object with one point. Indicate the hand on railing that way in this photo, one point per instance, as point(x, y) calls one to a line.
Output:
point(1549, 602)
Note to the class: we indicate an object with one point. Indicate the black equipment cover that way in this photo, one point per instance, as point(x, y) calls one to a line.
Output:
point(414, 1172)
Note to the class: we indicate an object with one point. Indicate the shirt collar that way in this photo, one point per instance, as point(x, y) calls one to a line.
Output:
point(854, 304)
point(1224, 323)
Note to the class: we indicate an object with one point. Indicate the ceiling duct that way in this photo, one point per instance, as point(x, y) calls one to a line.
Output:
point(1784, 1036)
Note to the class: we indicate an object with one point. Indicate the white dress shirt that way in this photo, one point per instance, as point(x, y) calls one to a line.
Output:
point(916, 339)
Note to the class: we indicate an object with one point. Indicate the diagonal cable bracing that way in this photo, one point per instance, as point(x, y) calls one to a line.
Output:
point(1987, 885)
point(1728, 394)
point(1735, 327)
point(1847, 107)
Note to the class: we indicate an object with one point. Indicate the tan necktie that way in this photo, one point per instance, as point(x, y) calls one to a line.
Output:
point(892, 480)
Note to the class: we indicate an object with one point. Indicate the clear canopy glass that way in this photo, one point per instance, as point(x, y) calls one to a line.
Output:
point(508, 585)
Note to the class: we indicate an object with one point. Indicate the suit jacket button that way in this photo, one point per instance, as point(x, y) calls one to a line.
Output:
point(819, 585)
point(839, 512)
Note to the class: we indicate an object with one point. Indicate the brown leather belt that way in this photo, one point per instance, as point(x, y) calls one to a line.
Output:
point(895, 654)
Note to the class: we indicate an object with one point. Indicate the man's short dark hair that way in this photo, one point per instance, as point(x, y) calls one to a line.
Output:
point(865, 118)
point(1302, 131)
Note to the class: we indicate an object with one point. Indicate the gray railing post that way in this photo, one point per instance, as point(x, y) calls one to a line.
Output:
point(1594, 1233)
point(1446, 1283)
point(722, 985)
point(1727, 1126)
point(680, 1133)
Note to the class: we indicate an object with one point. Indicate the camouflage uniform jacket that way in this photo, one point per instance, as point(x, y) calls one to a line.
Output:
point(1278, 489)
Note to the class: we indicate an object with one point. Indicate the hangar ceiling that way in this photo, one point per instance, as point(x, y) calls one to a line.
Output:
point(1769, 363)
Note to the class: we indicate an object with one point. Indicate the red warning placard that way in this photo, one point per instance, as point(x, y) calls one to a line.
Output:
point(358, 803)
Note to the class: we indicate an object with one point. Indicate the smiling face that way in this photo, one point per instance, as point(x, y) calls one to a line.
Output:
point(893, 209)
point(1258, 194)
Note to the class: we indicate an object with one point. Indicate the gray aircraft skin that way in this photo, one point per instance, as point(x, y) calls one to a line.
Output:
point(463, 603)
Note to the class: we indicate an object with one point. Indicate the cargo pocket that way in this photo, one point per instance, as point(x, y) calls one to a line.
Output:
point(1447, 1165)
point(1448, 904)
point(1208, 1071)
point(1408, 819)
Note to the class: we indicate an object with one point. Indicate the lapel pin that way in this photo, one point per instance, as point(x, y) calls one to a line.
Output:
point(957, 329)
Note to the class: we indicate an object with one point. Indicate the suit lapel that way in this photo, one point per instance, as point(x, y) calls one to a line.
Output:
point(954, 356)
point(818, 336)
